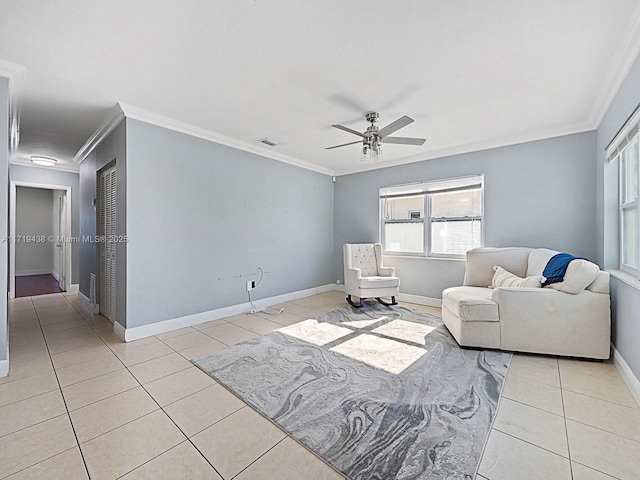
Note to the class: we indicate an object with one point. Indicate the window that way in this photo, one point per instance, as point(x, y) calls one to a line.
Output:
point(624, 149)
point(437, 219)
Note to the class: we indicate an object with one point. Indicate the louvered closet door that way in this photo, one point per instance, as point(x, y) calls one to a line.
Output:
point(107, 232)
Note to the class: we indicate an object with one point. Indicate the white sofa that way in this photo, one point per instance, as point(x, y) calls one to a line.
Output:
point(547, 320)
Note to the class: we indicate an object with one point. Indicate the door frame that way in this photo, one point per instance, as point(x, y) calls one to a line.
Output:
point(12, 228)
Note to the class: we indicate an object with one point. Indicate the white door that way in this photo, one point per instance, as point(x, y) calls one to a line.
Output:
point(107, 232)
point(60, 245)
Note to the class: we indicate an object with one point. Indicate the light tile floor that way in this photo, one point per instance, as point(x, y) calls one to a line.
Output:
point(79, 403)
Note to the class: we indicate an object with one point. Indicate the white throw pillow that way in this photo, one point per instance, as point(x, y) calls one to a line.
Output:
point(503, 278)
point(580, 274)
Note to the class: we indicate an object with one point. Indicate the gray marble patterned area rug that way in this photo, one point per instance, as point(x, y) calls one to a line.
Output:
point(379, 392)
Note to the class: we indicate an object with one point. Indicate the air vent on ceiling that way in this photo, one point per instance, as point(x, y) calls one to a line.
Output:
point(270, 142)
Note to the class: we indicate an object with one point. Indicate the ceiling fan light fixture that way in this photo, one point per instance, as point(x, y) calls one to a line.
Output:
point(44, 161)
point(371, 152)
point(372, 137)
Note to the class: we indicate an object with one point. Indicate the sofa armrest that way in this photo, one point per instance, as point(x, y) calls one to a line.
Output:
point(387, 271)
point(544, 320)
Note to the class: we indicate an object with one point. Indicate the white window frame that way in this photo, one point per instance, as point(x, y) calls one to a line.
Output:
point(625, 138)
point(428, 189)
point(626, 206)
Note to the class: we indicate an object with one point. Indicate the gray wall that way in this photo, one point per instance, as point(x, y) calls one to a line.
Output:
point(537, 194)
point(201, 217)
point(625, 299)
point(34, 218)
point(4, 212)
point(21, 173)
point(112, 149)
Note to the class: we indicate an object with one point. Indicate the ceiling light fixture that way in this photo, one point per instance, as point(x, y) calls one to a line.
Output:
point(373, 138)
point(44, 161)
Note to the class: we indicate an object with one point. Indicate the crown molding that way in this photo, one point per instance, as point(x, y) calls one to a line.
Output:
point(116, 115)
point(57, 168)
point(499, 142)
point(194, 131)
point(13, 72)
point(621, 64)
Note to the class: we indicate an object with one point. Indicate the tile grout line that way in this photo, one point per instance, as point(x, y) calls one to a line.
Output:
point(533, 406)
point(84, 462)
point(181, 431)
point(599, 471)
point(268, 450)
point(33, 425)
point(105, 398)
point(48, 458)
point(564, 419)
point(600, 398)
point(493, 420)
point(531, 443)
point(151, 459)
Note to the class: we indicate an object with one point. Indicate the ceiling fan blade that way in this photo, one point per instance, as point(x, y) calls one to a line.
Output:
point(350, 130)
point(393, 126)
point(343, 145)
point(404, 140)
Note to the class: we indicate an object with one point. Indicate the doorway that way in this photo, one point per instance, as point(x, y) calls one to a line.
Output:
point(40, 239)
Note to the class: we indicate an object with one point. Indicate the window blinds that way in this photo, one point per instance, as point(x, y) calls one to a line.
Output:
point(439, 186)
point(624, 136)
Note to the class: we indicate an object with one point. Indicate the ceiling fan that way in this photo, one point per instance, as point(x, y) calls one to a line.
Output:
point(372, 138)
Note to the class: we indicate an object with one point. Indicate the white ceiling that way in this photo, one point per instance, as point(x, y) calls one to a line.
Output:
point(472, 74)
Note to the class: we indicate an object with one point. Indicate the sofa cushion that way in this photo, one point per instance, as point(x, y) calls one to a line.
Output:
point(580, 274)
point(503, 278)
point(471, 304)
point(600, 284)
point(378, 282)
point(480, 262)
point(538, 259)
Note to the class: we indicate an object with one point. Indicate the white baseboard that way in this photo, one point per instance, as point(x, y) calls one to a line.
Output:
point(403, 297)
point(333, 286)
point(420, 300)
point(627, 374)
point(120, 331)
point(38, 271)
point(75, 287)
point(87, 303)
point(135, 333)
point(4, 368)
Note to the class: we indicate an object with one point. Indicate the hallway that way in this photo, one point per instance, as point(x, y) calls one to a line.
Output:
point(32, 285)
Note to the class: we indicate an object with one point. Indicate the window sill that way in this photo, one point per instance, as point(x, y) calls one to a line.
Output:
point(417, 257)
point(625, 278)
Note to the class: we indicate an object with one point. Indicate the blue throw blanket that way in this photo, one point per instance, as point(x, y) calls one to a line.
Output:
point(557, 267)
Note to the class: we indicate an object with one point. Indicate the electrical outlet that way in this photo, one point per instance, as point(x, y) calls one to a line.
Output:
point(249, 285)
point(338, 282)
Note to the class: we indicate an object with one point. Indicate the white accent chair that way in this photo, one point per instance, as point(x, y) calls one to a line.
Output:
point(366, 277)
point(560, 319)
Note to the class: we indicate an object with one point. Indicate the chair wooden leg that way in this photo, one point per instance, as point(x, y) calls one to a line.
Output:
point(353, 304)
point(393, 301)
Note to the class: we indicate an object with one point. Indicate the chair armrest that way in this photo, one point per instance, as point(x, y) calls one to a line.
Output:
point(387, 271)
point(354, 273)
